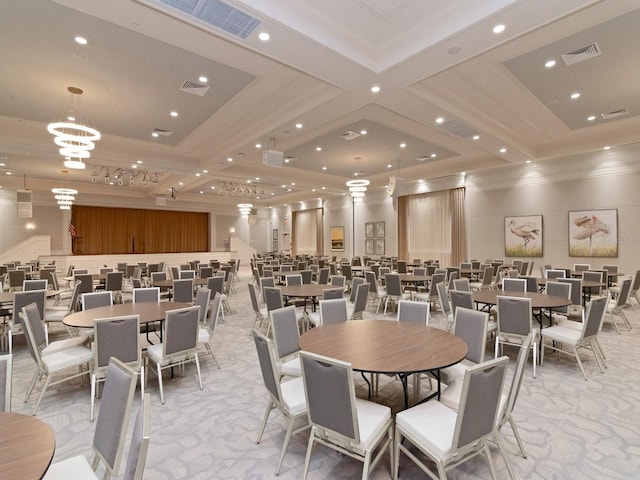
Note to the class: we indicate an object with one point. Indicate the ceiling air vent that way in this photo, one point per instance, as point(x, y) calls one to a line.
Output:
point(580, 54)
point(161, 132)
point(349, 135)
point(194, 88)
point(615, 113)
point(423, 158)
point(458, 128)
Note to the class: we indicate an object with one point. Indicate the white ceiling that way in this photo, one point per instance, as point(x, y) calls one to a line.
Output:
point(430, 58)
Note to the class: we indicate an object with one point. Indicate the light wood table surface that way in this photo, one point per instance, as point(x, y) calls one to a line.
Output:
point(149, 312)
point(27, 445)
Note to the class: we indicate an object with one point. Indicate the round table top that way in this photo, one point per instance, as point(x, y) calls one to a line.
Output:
point(7, 297)
point(27, 445)
point(385, 346)
point(305, 290)
point(410, 277)
point(538, 300)
point(148, 311)
point(578, 273)
point(585, 283)
point(169, 283)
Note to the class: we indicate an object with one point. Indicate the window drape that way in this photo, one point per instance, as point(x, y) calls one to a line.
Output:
point(307, 232)
point(432, 226)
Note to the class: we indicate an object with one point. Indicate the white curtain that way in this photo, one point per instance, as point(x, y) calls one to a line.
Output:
point(428, 227)
point(305, 237)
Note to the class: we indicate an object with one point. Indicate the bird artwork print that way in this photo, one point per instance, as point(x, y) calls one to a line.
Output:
point(527, 231)
point(588, 227)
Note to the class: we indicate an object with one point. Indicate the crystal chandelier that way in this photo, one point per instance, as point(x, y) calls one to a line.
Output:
point(245, 209)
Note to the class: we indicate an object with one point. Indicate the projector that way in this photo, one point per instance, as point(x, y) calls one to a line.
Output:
point(272, 158)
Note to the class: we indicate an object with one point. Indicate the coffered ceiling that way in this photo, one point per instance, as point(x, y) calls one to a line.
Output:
point(302, 91)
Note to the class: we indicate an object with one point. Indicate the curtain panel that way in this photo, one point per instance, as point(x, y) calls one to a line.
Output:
point(307, 232)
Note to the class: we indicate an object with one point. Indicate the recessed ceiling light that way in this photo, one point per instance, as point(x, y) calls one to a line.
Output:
point(503, 150)
point(607, 148)
point(284, 186)
point(575, 95)
point(3, 164)
point(528, 161)
point(324, 168)
point(439, 120)
point(134, 166)
point(375, 89)
point(8, 173)
point(463, 173)
point(476, 137)
point(363, 132)
point(203, 79)
point(591, 118)
point(174, 114)
point(258, 145)
point(139, 162)
point(293, 184)
point(286, 160)
point(389, 166)
point(323, 188)
point(197, 174)
point(154, 134)
point(213, 187)
point(258, 179)
point(229, 159)
point(81, 40)
point(181, 184)
point(318, 149)
point(298, 125)
point(313, 189)
point(205, 171)
point(201, 191)
point(550, 63)
point(272, 194)
point(264, 36)
point(288, 190)
point(402, 145)
point(434, 155)
point(499, 28)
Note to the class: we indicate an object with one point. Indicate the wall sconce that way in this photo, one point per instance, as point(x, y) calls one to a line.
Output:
point(232, 230)
point(30, 226)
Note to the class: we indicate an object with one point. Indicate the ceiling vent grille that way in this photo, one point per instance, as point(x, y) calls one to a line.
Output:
point(349, 135)
point(581, 54)
point(458, 128)
point(194, 88)
point(161, 132)
point(217, 14)
point(615, 113)
point(424, 158)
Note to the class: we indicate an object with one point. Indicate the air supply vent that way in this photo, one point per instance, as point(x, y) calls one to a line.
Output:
point(458, 128)
point(194, 88)
point(217, 14)
point(616, 113)
point(160, 132)
point(349, 135)
point(580, 54)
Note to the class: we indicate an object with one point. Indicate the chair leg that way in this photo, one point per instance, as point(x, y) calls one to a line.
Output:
point(159, 369)
point(93, 395)
point(264, 420)
point(198, 369)
point(512, 423)
point(575, 352)
point(36, 377)
point(307, 459)
point(492, 468)
point(44, 389)
point(535, 357)
point(287, 437)
point(503, 452)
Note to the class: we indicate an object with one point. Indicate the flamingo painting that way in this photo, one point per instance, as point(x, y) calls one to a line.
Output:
point(523, 236)
point(527, 232)
point(599, 228)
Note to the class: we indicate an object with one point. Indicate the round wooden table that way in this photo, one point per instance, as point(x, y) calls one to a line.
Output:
point(411, 278)
point(169, 283)
point(387, 346)
point(149, 312)
point(7, 297)
point(307, 290)
point(27, 445)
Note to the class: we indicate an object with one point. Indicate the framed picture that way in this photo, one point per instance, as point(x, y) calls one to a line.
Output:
point(368, 229)
point(275, 245)
point(523, 236)
point(337, 239)
point(379, 246)
point(275, 234)
point(368, 245)
point(593, 233)
point(379, 229)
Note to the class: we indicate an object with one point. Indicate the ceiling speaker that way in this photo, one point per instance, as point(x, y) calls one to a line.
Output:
point(161, 201)
point(24, 204)
point(395, 187)
point(273, 158)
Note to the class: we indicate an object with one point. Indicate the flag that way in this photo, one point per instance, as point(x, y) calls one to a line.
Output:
point(72, 229)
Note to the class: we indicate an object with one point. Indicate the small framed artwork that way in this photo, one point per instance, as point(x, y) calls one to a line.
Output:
point(523, 236)
point(275, 234)
point(379, 229)
point(379, 246)
point(337, 239)
point(368, 229)
point(593, 233)
point(275, 245)
point(368, 246)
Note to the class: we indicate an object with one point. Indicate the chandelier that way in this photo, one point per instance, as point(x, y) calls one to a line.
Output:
point(357, 186)
point(245, 209)
point(247, 190)
point(72, 135)
point(64, 197)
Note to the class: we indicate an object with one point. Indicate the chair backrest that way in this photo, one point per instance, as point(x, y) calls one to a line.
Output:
point(293, 279)
point(21, 299)
point(581, 267)
point(203, 297)
point(453, 276)
point(180, 331)
point(461, 284)
point(592, 276)
point(6, 371)
point(553, 274)
point(216, 307)
point(576, 289)
point(105, 270)
point(268, 367)
point(113, 282)
point(307, 276)
point(139, 445)
point(216, 284)
point(16, 278)
point(323, 276)
point(394, 286)
point(420, 270)
point(514, 315)
point(183, 290)
point(594, 316)
point(284, 323)
point(443, 298)
point(86, 282)
point(184, 274)
point(514, 284)
point(148, 294)
point(610, 268)
point(354, 286)
point(273, 298)
point(335, 415)
point(402, 266)
point(478, 410)
point(532, 284)
point(524, 268)
point(96, 299)
point(636, 283)
point(518, 375)
point(79, 271)
point(338, 280)
point(205, 272)
point(471, 326)
point(346, 271)
point(332, 293)
point(559, 289)
point(333, 311)
point(460, 298)
point(254, 298)
point(158, 276)
point(360, 301)
point(113, 417)
point(623, 296)
point(117, 337)
point(413, 312)
point(34, 285)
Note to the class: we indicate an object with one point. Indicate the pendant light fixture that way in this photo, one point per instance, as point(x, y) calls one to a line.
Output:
point(357, 186)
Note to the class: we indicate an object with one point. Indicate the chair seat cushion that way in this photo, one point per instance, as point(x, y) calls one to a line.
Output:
point(60, 345)
point(203, 335)
point(371, 418)
point(562, 334)
point(291, 367)
point(293, 396)
point(314, 318)
point(68, 357)
point(430, 426)
point(70, 468)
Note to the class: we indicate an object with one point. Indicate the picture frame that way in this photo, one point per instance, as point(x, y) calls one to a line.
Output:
point(523, 236)
point(593, 233)
point(275, 245)
point(337, 239)
point(379, 230)
point(369, 229)
point(368, 246)
point(275, 234)
point(379, 246)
